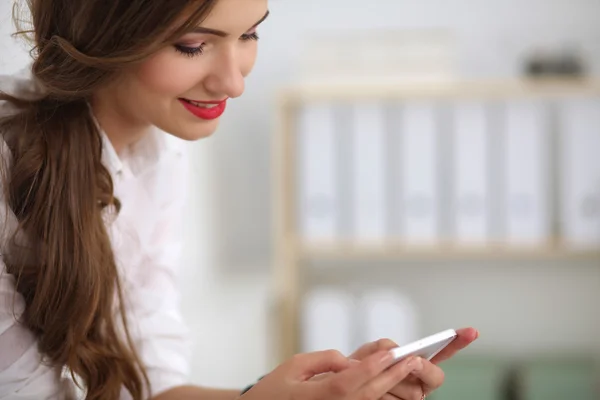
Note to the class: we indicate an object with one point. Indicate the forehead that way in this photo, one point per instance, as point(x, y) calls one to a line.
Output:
point(235, 15)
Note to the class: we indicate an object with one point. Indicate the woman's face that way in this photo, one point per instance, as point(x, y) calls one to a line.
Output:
point(183, 88)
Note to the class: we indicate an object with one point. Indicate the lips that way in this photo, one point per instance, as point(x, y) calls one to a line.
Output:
point(208, 110)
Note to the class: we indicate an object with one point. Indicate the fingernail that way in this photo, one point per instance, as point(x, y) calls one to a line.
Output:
point(477, 334)
point(354, 361)
point(416, 364)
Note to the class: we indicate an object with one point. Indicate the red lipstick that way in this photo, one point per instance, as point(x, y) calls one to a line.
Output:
point(207, 110)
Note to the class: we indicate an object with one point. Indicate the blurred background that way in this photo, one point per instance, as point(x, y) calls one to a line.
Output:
point(396, 168)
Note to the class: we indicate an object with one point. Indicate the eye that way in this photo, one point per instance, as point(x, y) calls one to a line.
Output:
point(249, 36)
point(190, 51)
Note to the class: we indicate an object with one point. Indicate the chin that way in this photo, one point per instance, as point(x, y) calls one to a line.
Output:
point(194, 131)
point(193, 136)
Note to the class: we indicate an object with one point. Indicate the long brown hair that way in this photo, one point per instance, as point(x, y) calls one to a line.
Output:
point(59, 189)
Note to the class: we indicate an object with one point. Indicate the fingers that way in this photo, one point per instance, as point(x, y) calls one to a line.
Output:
point(305, 366)
point(372, 348)
point(425, 381)
point(352, 379)
point(431, 375)
point(464, 338)
point(406, 391)
point(376, 388)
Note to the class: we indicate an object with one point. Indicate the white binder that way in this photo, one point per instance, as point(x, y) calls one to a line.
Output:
point(419, 208)
point(526, 163)
point(580, 162)
point(368, 190)
point(328, 319)
point(388, 314)
point(471, 175)
point(318, 199)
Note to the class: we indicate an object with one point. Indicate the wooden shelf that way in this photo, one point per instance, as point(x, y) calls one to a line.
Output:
point(348, 252)
point(290, 253)
point(520, 88)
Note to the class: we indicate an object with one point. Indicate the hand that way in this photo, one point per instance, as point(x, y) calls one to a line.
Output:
point(430, 377)
point(339, 377)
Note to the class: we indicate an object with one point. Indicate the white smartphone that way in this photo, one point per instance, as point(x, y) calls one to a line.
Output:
point(426, 348)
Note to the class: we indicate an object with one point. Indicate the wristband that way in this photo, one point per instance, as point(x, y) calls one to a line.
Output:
point(247, 388)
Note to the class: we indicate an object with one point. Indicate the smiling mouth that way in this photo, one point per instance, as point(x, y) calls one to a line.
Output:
point(203, 105)
point(206, 110)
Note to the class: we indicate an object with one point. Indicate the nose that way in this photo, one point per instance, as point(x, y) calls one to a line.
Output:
point(226, 78)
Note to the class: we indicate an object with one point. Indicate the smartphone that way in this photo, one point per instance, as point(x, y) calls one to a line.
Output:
point(426, 348)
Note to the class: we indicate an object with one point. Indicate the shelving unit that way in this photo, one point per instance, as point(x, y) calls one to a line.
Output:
point(291, 252)
point(341, 252)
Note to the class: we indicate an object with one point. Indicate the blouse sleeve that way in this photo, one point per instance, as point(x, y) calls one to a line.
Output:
point(160, 332)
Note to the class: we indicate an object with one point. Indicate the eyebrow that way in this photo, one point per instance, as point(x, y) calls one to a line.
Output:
point(219, 33)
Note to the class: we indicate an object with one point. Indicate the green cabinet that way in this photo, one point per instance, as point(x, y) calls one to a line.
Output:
point(472, 378)
point(559, 380)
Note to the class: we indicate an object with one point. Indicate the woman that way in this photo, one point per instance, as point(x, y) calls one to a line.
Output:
point(93, 179)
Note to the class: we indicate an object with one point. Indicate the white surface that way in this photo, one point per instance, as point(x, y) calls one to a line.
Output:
point(317, 146)
point(471, 174)
point(227, 314)
point(13, 51)
point(379, 56)
point(419, 154)
point(526, 163)
point(328, 321)
point(580, 189)
point(368, 167)
point(388, 313)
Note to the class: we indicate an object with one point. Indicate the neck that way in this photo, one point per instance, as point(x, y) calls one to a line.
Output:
point(121, 129)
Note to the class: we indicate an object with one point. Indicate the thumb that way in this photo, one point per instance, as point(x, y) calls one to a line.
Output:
point(305, 366)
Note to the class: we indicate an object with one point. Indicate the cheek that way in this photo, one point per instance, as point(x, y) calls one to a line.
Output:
point(168, 73)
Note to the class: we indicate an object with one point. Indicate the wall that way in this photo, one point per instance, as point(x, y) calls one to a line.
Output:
point(13, 52)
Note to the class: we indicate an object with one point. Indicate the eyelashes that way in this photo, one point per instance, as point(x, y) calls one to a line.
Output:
point(249, 36)
point(196, 51)
point(190, 51)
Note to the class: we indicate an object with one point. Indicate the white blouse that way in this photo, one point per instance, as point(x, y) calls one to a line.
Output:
point(150, 181)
